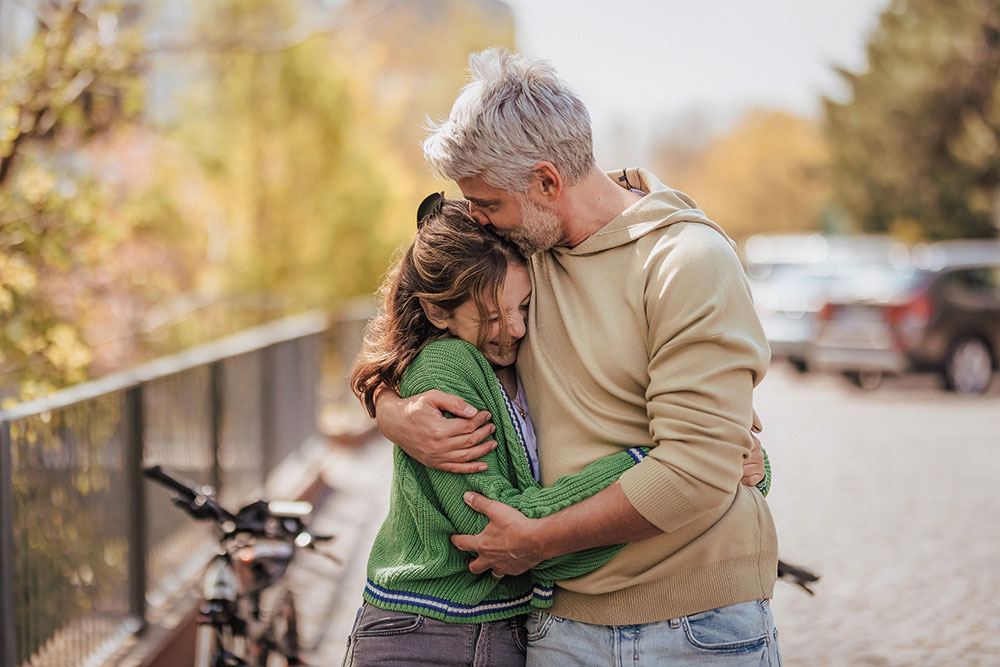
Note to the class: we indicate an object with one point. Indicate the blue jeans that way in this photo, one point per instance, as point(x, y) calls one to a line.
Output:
point(740, 634)
point(394, 638)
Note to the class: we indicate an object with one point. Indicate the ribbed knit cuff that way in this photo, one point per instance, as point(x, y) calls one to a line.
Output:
point(652, 490)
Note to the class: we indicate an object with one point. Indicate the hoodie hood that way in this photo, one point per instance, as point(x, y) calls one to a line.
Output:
point(662, 206)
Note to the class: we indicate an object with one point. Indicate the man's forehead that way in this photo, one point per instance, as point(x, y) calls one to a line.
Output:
point(479, 192)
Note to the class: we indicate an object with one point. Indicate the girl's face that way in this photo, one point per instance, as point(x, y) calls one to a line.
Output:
point(514, 297)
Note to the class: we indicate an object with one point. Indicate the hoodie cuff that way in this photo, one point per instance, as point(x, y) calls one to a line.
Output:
point(651, 489)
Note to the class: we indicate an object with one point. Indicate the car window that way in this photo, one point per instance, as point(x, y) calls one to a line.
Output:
point(979, 284)
point(875, 281)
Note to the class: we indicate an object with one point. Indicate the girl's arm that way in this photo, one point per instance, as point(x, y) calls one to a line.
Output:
point(447, 366)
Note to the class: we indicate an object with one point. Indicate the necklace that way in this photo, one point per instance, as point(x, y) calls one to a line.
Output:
point(517, 404)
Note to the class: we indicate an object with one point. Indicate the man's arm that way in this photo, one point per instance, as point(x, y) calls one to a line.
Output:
point(512, 543)
point(418, 425)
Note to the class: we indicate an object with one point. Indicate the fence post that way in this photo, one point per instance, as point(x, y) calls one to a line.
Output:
point(268, 395)
point(215, 390)
point(8, 634)
point(133, 443)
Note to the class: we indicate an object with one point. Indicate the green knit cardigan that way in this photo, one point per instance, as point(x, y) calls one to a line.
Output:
point(413, 567)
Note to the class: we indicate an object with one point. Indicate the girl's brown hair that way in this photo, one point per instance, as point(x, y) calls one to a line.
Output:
point(451, 260)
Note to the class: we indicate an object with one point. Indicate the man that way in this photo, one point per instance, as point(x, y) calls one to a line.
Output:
point(641, 332)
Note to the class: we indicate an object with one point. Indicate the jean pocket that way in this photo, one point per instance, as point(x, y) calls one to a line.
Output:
point(375, 622)
point(737, 628)
point(519, 635)
point(537, 625)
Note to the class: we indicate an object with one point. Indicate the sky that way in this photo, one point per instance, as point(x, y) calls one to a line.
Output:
point(647, 66)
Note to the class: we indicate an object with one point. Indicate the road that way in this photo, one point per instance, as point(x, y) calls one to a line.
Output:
point(889, 494)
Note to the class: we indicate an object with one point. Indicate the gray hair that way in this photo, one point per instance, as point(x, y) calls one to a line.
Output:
point(513, 113)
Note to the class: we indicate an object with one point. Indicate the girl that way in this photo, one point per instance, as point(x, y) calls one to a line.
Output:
point(455, 307)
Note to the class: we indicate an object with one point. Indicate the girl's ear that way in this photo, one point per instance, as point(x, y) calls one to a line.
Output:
point(437, 315)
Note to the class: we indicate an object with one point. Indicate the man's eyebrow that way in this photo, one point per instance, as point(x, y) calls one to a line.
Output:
point(482, 202)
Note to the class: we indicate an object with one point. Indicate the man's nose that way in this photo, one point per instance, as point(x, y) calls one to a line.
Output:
point(478, 215)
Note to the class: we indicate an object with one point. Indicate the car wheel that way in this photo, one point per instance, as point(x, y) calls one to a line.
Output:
point(867, 380)
point(800, 365)
point(968, 368)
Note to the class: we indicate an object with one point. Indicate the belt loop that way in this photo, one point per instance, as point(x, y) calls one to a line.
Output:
point(675, 623)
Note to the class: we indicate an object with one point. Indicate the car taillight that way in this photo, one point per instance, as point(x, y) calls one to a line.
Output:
point(826, 312)
point(915, 313)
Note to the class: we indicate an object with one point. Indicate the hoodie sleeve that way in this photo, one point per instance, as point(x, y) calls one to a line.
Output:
point(706, 352)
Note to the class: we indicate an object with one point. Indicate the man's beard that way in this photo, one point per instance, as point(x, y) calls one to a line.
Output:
point(540, 229)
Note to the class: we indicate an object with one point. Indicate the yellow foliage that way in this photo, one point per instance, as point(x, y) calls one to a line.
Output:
point(769, 174)
point(16, 274)
point(36, 184)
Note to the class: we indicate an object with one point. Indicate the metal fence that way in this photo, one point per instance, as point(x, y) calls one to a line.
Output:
point(87, 547)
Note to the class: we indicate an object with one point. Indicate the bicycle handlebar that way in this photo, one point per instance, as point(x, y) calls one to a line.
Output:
point(198, 505)
point(157, 473)
point(201, 506)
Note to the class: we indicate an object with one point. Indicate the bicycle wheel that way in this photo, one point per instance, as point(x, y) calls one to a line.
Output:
point(205, 646)
point(279, 644)
point(218, 647)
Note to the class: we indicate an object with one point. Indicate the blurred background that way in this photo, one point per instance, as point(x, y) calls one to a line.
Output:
point(174, 172)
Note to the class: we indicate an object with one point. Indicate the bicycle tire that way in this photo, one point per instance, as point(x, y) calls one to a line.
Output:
point(278, 644)
point(205, 646)
point(215, 648)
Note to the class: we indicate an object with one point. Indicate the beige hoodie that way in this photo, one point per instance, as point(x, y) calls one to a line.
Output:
point(645, 335)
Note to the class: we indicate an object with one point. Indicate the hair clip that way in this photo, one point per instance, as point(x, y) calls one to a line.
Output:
point(431, 205)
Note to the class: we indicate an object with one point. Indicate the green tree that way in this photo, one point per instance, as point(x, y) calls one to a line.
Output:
point(915, 147)
point(307, 135)
point(290, 151)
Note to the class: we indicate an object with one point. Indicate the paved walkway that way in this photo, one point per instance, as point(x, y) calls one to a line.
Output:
point(889, 494)
point(328, 594)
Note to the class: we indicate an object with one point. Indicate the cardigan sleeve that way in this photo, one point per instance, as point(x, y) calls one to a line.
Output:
point(463, 375)
point(764, 485)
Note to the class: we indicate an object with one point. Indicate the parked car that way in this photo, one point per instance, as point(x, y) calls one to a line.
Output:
point(788, 303)
point(940, 313)
point(790, 275)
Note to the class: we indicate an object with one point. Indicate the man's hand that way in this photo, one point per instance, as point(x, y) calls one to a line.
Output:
point(505, 545)
point(753, 467)
point(418, 425)
point(512, 543)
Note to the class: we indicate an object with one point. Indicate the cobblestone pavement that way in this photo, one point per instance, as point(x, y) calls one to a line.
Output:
point(889, 494)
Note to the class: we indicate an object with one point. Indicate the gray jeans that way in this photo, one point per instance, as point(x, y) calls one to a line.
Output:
point(387, 638)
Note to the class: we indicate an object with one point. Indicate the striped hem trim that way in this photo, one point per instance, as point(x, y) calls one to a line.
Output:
point(455, 609)
point(637, 453)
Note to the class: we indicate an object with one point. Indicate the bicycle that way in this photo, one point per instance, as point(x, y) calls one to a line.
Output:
point(245, 619)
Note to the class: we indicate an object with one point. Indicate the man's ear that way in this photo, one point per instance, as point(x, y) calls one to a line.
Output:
point(547, 182)
point(437, 315)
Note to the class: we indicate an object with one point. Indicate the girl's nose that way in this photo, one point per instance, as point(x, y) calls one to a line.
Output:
point(518, 327)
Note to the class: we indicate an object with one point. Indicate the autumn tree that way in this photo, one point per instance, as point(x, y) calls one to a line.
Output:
point(916, 145)
point(66, 230)
point(769, 173)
